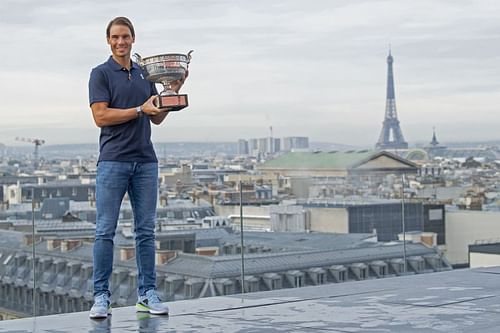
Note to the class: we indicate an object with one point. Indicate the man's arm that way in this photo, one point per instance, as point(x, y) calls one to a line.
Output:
point(176, 86)
point(158, 119)
point(105, 116)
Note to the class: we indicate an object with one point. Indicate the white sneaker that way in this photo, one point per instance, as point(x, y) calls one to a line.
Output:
point(151, 303)
point(101, 307)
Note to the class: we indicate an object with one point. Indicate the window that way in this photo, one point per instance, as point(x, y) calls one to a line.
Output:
point(276, 284)
point(320, 278)
point(298, 281)
point(252, 286)
point(170, 287)
point(189, 291)
point(228, 290)
point(435, 214)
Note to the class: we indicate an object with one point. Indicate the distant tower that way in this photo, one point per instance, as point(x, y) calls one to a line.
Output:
point(435, 148)
point(434, 142)
point(391, 136)
point(242, 147)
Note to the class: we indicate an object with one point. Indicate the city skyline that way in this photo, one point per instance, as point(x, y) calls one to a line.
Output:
point(257, 65)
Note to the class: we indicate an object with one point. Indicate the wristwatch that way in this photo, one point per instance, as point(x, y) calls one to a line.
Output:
point(138, 110)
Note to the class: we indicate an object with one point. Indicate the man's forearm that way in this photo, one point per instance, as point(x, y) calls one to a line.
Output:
point(158, 119)
point(110, 116)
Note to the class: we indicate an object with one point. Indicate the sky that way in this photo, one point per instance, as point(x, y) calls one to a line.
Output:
point(312, 68)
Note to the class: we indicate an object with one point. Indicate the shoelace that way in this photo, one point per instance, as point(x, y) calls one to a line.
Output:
point(153, 298)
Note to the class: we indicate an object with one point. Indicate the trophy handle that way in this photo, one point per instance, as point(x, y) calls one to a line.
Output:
point(189, 57)
point(138, 59)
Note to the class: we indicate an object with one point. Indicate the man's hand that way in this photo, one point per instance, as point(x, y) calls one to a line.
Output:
point(150, 108)
point(177, 84)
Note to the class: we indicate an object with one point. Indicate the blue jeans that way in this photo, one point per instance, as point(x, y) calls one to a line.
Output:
point(140, 181)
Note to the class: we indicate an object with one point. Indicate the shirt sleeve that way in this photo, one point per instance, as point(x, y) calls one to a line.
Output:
point(98, 87)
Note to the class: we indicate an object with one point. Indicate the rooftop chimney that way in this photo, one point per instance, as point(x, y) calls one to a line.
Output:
point(127, 253)
point(53, 244)
point(163, 256)
point(28, 239)
point(70, 244)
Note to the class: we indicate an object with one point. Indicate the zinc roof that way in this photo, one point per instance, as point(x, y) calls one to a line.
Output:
point(229, 265)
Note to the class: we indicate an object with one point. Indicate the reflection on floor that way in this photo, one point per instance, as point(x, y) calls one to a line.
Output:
point(453, 301)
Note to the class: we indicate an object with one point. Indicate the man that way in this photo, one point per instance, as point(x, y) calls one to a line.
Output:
point(122, 104)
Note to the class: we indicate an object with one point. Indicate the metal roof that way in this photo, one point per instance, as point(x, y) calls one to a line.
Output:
point(485, 248)
point(229, 266)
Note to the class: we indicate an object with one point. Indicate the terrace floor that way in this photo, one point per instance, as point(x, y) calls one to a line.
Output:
point(453, 301)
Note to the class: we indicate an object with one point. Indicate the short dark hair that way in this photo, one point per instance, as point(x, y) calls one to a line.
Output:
point(120, 20)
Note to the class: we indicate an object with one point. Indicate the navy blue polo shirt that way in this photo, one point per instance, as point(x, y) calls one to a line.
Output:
point(131, 141)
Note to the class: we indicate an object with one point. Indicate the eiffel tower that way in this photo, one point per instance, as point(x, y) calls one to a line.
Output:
point(391, 136)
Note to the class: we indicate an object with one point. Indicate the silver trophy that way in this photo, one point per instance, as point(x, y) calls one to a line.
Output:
point(165, 69)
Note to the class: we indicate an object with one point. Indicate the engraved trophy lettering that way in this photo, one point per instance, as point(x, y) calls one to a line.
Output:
point(166, 69)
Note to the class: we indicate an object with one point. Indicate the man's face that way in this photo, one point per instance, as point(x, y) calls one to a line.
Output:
point(120, 40)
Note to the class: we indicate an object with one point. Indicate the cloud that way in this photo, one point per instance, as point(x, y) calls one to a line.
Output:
point(311, 68)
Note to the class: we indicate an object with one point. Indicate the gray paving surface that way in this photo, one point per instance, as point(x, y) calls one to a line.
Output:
point(454, 301)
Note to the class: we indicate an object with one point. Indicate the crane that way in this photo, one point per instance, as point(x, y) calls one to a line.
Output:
point(37, 142)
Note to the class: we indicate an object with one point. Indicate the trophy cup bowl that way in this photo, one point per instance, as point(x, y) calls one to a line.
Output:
point(165, 69)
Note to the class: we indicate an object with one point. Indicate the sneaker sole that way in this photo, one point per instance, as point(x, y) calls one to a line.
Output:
point(100, 316)
point(142, 308)
point(158, 312)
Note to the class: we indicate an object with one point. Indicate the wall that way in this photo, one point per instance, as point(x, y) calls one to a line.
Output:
point(464, 228)
point(257, 217)
point(329, 220)
point(484, 259)
point(289, 218)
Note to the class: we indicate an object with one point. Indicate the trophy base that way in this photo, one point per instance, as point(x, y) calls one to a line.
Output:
point(172, 102)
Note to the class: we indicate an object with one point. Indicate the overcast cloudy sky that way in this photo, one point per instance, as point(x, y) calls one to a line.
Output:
point(314, 68)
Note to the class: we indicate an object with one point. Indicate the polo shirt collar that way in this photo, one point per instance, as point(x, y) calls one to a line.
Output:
point(117, 67)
